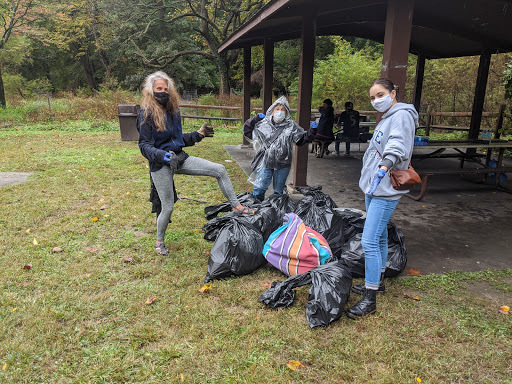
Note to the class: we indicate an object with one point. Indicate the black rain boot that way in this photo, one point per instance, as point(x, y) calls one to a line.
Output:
point(359, 289)
point(366, 306)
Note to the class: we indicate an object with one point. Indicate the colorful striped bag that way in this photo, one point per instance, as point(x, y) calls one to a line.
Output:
point(294, 248)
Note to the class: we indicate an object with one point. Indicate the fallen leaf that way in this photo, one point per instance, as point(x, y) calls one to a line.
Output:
point(505, 308)
point(103, 207)
point(95, 218)
point(150, 300)
point(182, 377)
point(128, 259)
point(418, 380)
point(503, 312)
point(267, 285)
point(406, 295)
point(57, 249)
point(205, 288)
point(413, 272)
point(26, 283)
point(15, 309)
point(28, 230)
point(27, 266)
point(102, 200)
point(34, 241)
point(293, 365)
point(4, 366)
point(91, 249)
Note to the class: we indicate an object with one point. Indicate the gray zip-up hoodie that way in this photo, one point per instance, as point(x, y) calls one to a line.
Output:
point(394, 140)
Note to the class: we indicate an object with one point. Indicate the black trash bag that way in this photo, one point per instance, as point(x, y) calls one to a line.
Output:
point(335, 234)
point(246, 199)
point(282, 203)
point(317, 194)
point(353, 224)
point(353, 254)
point(266, 220)
point(237, 251)
point(397, 251)
point(212, 228)
point(329, 292)
point(281, 293)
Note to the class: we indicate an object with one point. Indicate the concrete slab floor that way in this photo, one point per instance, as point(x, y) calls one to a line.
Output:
point(11, 178)
point(459, 225)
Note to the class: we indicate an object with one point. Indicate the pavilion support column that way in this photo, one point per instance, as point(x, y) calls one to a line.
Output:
point(246, 108)
point(418, 81)
point(307, 59)
point(397, 39)
point(268, 73)
point(478, 102)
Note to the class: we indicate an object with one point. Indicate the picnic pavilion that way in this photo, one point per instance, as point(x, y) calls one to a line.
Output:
point(429, 29)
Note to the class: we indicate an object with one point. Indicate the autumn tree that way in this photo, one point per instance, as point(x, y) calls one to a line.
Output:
point(16, 17)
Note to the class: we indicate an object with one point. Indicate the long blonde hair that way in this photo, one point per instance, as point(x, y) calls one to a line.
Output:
point(151, 107)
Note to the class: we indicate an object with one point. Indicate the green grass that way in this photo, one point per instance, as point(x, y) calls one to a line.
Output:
point(79, 316)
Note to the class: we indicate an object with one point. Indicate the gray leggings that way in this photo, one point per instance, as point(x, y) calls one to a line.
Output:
point(163, 180)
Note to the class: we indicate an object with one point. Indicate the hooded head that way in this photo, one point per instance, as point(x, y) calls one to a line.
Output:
point(284, 106)
point(349, 106)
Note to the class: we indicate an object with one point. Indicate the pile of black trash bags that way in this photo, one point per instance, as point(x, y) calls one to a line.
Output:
point(239, 239)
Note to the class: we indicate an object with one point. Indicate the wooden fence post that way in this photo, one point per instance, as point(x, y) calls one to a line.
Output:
point(429, 120)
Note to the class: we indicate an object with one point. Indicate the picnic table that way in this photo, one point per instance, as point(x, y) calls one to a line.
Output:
point(436, 149)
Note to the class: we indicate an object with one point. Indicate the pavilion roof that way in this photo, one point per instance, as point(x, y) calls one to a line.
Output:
point(440, 28)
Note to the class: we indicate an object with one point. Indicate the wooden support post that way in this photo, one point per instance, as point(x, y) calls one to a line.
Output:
point(499, 122)
point(397, 39)
point(478, 103)
point(246, 113)
point(268, 73)
point(307, 58)
point(429, 120)
point(418, 81)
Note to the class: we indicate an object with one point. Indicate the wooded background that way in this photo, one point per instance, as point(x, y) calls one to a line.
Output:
point(87, 46)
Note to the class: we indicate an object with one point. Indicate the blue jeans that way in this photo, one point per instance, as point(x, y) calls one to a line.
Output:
point(345, 138)
point(375, 238)
point(265, 176)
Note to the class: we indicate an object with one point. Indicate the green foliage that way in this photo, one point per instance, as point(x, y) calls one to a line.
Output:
point(345, 75)
point(508, 81)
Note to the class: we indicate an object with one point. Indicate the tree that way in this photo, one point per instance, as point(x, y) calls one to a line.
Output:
point(16, 16)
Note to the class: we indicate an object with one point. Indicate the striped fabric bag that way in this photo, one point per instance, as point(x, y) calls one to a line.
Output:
point(294, 248)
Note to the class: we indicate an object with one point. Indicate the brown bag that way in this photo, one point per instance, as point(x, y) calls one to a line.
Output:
point(403, 180)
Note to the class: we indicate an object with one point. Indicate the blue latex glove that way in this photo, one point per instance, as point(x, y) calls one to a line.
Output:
point(376, 180)
point(167, 157)
point(314, 125)
point(261, 115)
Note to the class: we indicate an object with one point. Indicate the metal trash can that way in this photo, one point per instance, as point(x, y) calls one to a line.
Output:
point(128, 114)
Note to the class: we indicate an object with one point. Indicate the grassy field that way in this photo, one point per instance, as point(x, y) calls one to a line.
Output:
point(79, 315)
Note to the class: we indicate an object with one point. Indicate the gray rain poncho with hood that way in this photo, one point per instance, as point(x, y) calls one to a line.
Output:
point(278, 153)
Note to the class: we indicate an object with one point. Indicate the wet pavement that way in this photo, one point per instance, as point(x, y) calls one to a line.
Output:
point(459, 225)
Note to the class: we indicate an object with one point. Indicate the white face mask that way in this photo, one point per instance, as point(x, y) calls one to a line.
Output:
point(382, 104)
point(279, 116)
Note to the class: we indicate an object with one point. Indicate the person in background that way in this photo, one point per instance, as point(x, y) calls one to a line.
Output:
point(161, 141)
point(325, 124)
point(390, 147)
point(349, 119)
point(272, 136)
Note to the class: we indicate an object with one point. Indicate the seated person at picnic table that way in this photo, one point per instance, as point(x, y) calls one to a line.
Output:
point(324, 130)
point(350, 121)
point(272, 136)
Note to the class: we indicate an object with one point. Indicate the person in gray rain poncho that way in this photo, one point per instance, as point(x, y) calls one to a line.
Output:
point(272, 136)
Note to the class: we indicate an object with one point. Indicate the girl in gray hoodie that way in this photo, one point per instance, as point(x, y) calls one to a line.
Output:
point(390, 147)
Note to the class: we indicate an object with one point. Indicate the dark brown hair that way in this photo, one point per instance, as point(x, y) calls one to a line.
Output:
point(386, 83)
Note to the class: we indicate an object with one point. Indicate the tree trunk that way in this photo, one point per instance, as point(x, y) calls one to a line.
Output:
point(89, 71)
point(223, 76)
point(3, 103)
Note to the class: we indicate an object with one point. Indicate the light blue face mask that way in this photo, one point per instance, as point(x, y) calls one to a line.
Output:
point(279, 116)
point(382, 104)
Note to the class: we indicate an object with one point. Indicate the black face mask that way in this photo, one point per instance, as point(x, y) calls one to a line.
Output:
point(161, 97)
